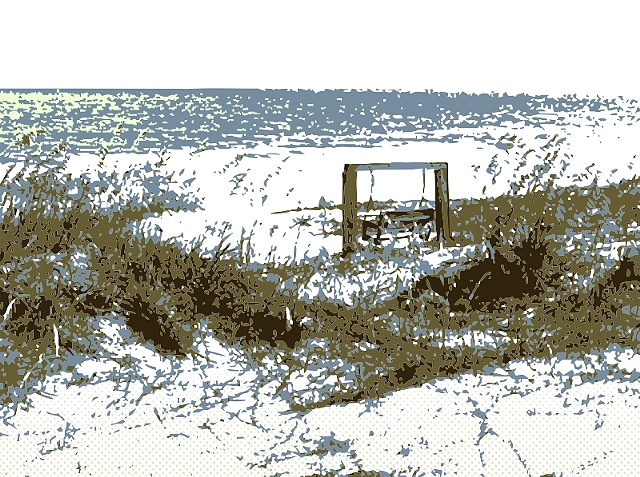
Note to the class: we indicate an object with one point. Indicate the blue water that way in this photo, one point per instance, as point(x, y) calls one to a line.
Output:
point(136, 121)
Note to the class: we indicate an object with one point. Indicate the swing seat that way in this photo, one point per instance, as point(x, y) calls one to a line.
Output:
point(391, 224)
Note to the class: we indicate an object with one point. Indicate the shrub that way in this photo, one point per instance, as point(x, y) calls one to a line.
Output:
point(60, 244)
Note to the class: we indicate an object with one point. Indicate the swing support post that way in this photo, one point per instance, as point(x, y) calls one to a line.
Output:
point(442, 204)
point(350, 205)
point(350, 197)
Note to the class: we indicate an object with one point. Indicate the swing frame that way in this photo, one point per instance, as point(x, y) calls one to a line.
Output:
point(351, 222)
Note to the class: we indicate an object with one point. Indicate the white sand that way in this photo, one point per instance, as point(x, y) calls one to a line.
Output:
point(221, 418)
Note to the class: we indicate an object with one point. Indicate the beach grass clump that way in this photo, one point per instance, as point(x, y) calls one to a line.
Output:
point(561, 276)
point(72, 249)
point(560, 263)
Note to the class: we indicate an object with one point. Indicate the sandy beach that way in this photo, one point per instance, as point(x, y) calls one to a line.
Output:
point(135, 412)
point(219, 416)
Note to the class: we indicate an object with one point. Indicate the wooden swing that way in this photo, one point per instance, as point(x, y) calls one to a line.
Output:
point(393, 223)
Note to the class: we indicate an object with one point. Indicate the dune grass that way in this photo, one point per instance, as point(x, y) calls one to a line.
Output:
point(73, 249)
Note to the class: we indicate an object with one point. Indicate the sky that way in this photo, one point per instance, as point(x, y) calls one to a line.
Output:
point(541, 47)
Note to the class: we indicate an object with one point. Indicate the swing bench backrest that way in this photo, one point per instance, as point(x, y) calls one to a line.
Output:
point(419, 216)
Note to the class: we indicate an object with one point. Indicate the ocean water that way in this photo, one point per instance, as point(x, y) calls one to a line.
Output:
point(138, 121)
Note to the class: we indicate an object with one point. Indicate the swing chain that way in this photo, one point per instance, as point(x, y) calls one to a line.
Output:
point(370, 202)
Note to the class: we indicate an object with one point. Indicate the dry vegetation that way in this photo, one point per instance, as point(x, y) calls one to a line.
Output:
point(72, 251)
